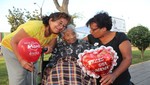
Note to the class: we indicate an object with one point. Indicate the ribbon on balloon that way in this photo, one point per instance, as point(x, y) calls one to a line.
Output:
point(29, 49)
point(98, 62)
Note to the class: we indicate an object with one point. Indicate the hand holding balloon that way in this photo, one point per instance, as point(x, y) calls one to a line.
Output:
point(27, 65)
point(30, 50)
point(98, 62)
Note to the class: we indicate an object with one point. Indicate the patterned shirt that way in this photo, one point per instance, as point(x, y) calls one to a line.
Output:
point(65, 69)
point(63, 49)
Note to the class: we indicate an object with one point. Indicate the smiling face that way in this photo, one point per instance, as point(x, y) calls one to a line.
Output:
point(58, 25)
point(69, 36)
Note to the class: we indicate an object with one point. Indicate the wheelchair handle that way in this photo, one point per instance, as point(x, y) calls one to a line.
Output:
point(44, 50)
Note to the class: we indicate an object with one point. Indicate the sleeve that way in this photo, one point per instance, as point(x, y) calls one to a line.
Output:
point(56, 52)
point(85, 44)
point(88, 45)
point(122, 37)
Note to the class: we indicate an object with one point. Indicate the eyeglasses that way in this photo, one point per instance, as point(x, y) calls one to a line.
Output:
point(60, 23)
point(94, 30)
point(93, 27)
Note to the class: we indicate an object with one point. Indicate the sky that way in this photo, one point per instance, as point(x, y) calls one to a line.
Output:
point(133, 12)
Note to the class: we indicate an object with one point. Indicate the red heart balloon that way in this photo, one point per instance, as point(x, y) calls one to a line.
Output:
point(29, 49)
point(98, 62)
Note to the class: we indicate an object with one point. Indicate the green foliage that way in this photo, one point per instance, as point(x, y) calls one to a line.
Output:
point(74, 16)
point(18, 16)
point(140, 38)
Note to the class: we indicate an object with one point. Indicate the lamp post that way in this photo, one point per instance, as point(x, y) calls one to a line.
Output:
point(40, 7)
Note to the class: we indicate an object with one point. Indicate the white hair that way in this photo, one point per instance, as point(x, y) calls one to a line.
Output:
point(70, 26)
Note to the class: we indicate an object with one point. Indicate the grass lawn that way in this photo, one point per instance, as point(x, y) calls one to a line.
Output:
point(137, 56)
point(3, 72)
point(136, 59)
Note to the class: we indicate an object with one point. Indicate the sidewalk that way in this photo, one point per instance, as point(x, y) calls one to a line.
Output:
point(140, 73)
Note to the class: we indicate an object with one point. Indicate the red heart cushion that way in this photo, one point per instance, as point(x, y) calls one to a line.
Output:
point(98, 62)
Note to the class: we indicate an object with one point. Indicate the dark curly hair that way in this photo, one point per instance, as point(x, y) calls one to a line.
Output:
point(55, 16)
point(103, 20)
point(91, 20)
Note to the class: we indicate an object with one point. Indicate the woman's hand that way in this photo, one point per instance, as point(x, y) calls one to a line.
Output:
point(49, 49)
point(107, 79)
point(27, 65)
point(51, 45)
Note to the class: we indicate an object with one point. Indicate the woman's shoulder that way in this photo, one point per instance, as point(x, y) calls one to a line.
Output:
point(32, 24)
point(37, 22)
point(121, 36)
point(120, 33)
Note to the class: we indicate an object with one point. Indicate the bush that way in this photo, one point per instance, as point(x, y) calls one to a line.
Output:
point(140, 38)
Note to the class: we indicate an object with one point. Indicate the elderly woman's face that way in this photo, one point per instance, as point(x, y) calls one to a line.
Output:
point(69, 36)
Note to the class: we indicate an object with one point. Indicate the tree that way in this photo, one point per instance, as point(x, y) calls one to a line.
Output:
point(64, 8)
point(140, 38)
point(18, 16)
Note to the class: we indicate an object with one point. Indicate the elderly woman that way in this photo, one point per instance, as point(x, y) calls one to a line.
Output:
point(63, 68)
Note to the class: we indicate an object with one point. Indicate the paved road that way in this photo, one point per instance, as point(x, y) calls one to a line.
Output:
point(140, 73)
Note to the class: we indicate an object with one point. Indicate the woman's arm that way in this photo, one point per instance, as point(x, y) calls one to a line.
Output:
point(125, 48)
point(14, 43)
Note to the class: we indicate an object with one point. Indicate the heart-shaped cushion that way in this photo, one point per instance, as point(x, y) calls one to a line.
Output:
point(98, 62)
